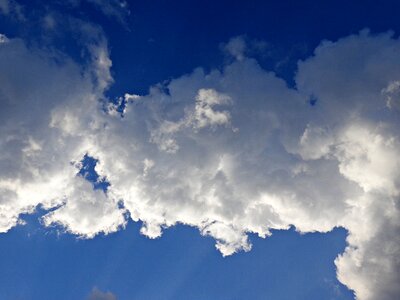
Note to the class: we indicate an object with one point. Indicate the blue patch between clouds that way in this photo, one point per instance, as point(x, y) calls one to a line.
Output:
point(313, 100)
point(88, 172)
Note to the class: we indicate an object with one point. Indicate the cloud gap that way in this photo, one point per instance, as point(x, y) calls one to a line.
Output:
point(87, 169)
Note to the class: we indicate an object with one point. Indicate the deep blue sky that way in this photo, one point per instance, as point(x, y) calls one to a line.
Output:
point(169, 38)
point(162, 40)
point(165, 39)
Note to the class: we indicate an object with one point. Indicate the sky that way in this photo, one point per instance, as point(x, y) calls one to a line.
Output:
point(199, 150)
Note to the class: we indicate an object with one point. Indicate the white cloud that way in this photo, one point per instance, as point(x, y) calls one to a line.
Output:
point(200, 116)
point(228, 152)
point(86, 212)
point(204, 112)
point(37, 146)
point(348, 78)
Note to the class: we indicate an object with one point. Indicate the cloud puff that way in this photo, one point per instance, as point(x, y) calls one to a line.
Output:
point(97, 294)
point(228, 152)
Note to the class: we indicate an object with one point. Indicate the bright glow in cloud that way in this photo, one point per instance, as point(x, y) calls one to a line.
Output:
point(227, 152)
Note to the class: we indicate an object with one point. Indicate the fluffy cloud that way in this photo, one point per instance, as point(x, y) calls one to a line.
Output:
point(38, 151)
point(354, 80)
point(228, 152)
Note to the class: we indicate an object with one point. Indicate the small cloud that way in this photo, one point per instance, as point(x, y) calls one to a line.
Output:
point(236, 47)
point(97, 294)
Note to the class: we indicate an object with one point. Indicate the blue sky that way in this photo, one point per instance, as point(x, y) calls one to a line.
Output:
point(181, 265)
point(199, 150)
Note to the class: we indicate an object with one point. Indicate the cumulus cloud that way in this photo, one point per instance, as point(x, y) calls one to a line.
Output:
point(229, 152)
point(39, 153)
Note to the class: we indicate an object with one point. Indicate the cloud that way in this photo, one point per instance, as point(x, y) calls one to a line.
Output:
point(97, 294)
point(348, 78)
point(236, 47)
point(285, 163)
point(39, 155)
point(203, 115)
point(229, 152)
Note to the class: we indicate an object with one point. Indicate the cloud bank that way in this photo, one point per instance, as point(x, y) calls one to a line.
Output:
point(229, 152)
